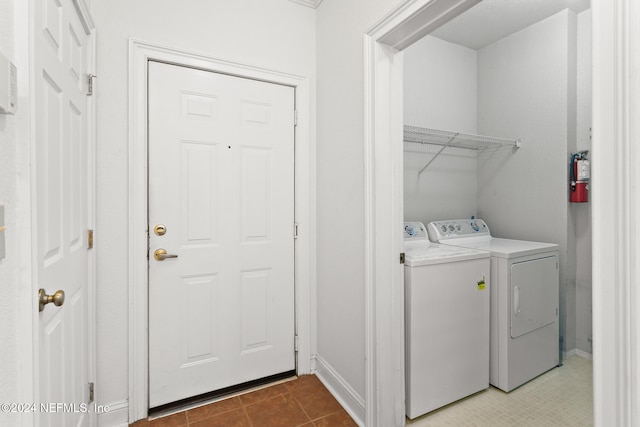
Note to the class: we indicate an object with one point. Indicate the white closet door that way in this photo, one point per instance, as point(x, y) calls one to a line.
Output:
point(61, 201)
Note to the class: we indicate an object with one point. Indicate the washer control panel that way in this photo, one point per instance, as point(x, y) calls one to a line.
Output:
point(414, 230)
point(456, 228)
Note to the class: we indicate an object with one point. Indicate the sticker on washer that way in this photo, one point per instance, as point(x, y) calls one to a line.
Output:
point(481, 285)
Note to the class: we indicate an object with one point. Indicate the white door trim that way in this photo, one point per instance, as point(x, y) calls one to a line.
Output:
point(616, 212)
point(384, 286)
point(25, 129)
point(140, 53)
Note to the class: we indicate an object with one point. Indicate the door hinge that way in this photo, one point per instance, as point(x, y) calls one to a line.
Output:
point(89, 239)
point(90, 78)
point(295, 343)
point(90, 392)
point(401, 257)
point(295, 117)
point(295, 230)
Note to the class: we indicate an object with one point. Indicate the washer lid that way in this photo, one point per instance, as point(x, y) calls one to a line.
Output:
point(417, 255)
point(504, 248)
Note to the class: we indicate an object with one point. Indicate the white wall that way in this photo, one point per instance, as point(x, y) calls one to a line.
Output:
point(440, 91)
point(340, 184)
point(583, 210)
point(440, 85)
point(274, 34)
point(524, 83)
point(17, 302)
point(9, 276)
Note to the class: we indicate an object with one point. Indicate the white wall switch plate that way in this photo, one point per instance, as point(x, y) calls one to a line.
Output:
point(2, 251)
point(8, 86)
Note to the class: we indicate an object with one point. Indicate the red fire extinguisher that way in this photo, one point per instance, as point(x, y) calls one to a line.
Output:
point(580, 174)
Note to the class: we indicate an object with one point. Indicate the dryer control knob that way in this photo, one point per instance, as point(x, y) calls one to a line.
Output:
point(410, 230)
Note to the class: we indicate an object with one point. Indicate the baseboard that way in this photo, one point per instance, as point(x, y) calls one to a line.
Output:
point(341, 390)
point(579, 353)
point(117, 416)
point(584, 354)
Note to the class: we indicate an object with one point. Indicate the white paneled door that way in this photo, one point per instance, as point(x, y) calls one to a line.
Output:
point(62, 182)
point(221, 207)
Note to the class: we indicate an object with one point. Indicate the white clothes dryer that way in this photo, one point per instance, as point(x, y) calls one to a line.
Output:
point(446, 322)
point(524, 300)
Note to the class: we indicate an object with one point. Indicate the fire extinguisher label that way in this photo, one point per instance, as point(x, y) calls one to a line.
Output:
point(583, 170)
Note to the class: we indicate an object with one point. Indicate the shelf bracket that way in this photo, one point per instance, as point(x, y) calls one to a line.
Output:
point(437, 154)
point(420, 135)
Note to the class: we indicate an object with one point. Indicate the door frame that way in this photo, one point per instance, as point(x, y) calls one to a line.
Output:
point(616, 301)
point(384, 274)
point(140, 53)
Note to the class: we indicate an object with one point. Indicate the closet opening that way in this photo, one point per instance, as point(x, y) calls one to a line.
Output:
point(495, 102)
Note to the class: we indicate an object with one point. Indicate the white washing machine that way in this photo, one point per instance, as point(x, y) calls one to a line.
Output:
point(524, 300)
point(447, 322)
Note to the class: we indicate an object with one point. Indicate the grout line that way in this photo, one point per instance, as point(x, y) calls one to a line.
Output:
point(246, 414)
point(328, 415)
point(301, 407)
point(287, 391)
point(189, 407)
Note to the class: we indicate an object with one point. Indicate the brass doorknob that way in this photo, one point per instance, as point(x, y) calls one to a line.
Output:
point(57, 299)
point(161, 255)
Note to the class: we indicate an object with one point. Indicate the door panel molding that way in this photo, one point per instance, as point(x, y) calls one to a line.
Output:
point(85, 16)
point(76, 28)
point(140, 53)
point(222, 314)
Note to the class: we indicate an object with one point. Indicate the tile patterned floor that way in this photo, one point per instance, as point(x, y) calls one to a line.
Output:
point(301, 402)
point(563, 397)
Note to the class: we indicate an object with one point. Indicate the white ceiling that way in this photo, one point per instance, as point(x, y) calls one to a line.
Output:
point(492, 20)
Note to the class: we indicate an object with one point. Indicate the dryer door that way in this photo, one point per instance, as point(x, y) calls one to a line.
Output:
point(534, 294)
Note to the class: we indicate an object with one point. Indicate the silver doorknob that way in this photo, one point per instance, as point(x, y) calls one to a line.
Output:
point(57, 299)
point(161, 255)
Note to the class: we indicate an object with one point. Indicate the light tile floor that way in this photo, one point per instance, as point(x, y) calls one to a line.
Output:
point(561, 397)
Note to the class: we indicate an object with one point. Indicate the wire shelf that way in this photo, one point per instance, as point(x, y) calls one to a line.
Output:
point(455, 139)
point(446, 139)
